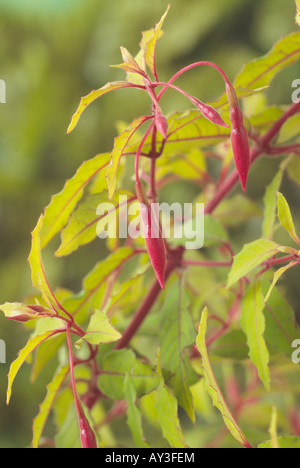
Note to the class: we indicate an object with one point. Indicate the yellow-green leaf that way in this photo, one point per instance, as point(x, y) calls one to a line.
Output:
point(131, 66)
point(134, 417)
point(253, 325)
point(298, 12)
point(270, 206)
point(62, 204)
point(260, 72)
point(285, 217)
point(23, 355)
point(150, 46)
point(92, 96)
point(251, 256)
point(212, 386)
point(90, 218)
point(120, 144)
point(99, 330)
point(167, 411)
point(38, 275)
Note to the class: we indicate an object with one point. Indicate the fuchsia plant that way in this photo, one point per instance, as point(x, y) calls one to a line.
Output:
point(153, 320)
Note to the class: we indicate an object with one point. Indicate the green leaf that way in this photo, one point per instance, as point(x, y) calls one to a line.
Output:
point(92, 96)
point(285, 217)
point(57, 213)
point(167, 410)
point(31, 345)
point(95, 284)
point(150, 43)
point(287, 442)
point(86, 221)
point(271, 205)
point(260, 72)
point(250, 257)
point(134, 417)
point(177, 332)
point(116, 365)
point(99, 330)
point(45, 408)
point(120, 145)
point(253, 325)
point(212, 386)
point(281, 325)
point(190, 165)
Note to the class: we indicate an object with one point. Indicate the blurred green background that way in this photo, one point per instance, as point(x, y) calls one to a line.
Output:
point(55, 51)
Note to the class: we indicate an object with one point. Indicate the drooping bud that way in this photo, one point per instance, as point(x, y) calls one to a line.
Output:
point(161, 122)
point(87, 435)
point(209, 112)
point(153, 235)
point(239, 137)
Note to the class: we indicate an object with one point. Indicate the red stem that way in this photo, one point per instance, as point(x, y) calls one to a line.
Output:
point(189, 67)
point(137, 177)
point(77, 404)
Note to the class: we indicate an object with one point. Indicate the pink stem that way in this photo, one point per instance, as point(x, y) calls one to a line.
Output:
point(189, 67)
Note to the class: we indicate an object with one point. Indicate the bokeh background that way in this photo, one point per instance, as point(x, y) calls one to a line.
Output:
point(55, 51)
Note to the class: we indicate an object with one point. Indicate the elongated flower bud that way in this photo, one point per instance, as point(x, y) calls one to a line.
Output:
point(21, 318)
point(239, 137)
point(209, 112)
point(87, 435)
point(161, 122)
point(153, 235)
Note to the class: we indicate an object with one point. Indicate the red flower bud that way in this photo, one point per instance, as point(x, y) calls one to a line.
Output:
point(241, 151)
point(21, 318)
point(239, 137)
point(87, 436)
point(153, 235)
point(209, 112)
point(161, 122)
